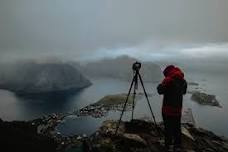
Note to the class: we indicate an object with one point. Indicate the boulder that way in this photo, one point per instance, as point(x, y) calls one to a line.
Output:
point(205, 99)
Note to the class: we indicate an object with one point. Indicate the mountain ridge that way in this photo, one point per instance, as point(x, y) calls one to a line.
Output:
point(121, 68)
point(31, 78)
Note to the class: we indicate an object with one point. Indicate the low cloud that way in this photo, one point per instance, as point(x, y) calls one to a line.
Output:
point(80, 30)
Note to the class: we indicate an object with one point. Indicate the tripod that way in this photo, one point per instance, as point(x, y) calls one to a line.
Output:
point(136, 67)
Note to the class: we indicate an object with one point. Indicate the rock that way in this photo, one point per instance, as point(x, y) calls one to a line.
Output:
point(79, 137)
point(109, 127)
point(84, 135)
point(23, 136)
point(205, 99)
point(193, 83)
point(225, 146)
point(187, 117)
point(139, 135)
point(186, 133)
point(135, 138)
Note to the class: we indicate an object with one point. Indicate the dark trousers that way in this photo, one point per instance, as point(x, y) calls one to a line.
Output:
point(172, 130)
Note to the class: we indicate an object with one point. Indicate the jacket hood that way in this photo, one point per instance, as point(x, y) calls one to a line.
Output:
point(173, 72)
point(168, 70)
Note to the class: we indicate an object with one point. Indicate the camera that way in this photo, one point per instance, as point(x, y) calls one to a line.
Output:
point(136, 66)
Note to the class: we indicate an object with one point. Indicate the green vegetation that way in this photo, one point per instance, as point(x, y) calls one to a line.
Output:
point(112, 100)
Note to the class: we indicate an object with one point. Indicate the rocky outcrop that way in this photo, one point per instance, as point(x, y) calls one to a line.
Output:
point(134, 136)
point(23, 136)
point(33, 78)
point(121, 68)
point(205, 99)
point(140, 135)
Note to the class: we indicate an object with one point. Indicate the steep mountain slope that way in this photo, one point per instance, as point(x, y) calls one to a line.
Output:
point(42, 78)
point(121, 68)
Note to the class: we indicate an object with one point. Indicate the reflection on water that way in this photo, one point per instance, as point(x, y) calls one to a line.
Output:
point(15, 107)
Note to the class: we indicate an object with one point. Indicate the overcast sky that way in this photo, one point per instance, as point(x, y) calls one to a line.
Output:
point(81, 29)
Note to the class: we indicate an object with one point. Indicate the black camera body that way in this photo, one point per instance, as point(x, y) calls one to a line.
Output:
point(136, 66)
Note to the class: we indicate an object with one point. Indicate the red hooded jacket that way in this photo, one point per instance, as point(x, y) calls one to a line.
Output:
point(173, 87)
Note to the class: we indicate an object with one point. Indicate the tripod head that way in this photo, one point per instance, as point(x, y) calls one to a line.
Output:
point(136, 66)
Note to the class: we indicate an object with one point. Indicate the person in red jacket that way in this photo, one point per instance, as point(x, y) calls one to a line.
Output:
point(173, 87)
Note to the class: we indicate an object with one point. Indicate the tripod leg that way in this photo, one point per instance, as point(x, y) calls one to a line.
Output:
point(144, 90)
point(118, 125)
point(133, 102)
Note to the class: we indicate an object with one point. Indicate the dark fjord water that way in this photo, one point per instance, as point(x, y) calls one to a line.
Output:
point(13, 107)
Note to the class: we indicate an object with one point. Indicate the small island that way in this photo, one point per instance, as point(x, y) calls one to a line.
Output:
point(193, 83)
point(107, 103)
point(112, 100)
point(205, 99)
